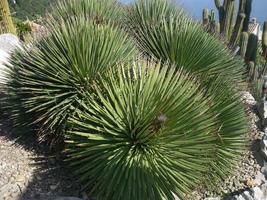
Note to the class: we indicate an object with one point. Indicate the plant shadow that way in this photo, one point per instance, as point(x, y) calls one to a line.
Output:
point(49, 177)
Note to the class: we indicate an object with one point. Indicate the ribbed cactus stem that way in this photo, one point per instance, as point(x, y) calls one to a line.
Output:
point(218, 4)
point(205, 16)
point(221, 11)
point(212, 15)
point(264, 40)
point(252, 48)
point(6, 25)
point(227, 24)
point(242, 5)
point(243, 44)
point(248, 7)
point(253, 73)
point(237, 29)
point(217, 27)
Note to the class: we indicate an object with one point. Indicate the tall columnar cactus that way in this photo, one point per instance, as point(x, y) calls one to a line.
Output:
point(229, 28)
point(248, 8)
point(264, 40)
point(212, 16)
point(243, 44)
point(253, 72)
point(252, 48)
point(5, 18)
point(206, 16)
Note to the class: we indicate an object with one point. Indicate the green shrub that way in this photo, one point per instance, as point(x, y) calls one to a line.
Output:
point(47, 78)
point(150, 132)
point(22, 28)
point(164, 32)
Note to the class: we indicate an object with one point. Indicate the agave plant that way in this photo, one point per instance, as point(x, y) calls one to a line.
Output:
point(165, 32)
point(95, 10)
point(46, 78)
point(151, 133)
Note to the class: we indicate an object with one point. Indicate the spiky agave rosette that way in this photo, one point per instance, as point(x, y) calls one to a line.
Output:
point(46, 78)
point(151, 135)
point(163, 31)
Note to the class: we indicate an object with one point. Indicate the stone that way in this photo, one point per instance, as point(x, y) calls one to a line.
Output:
point(4, 57)
point(257, 193)
point(251, 183)
point(260, 178)
point(248, 98)
point(263, 147)
point(54, 187)
point(262, 109)
point(9, 42)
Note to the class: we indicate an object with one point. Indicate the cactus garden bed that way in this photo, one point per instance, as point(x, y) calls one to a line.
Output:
point(135, 102)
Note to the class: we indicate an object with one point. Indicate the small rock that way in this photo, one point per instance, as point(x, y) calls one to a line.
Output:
point(263, 146)
point(251, 183)
point(262, 108)
point(248, 98)
point(54, 187)
point(257, 193)
point(247, 196)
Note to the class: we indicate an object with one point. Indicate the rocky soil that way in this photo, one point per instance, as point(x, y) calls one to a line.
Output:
point(32, 174)
point(249, 174)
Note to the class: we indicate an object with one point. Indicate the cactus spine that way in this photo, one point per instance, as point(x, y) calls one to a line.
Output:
point(5, 18)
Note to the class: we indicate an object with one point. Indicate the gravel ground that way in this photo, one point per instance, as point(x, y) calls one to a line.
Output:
point(32, 174)
point(249, 172)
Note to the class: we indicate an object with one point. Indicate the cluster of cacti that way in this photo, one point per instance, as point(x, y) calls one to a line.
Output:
point(210, 22)
point(148, 109)
point(251, 50)
point(230, 27)
point(6, 23)
point(235, 31)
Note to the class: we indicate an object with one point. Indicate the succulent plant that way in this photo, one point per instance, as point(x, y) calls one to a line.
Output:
point(264, 40)
point(231, 27)
point(46, 78)
point(6, 23)
point(243, 44)
point(252, 48)
point(151, 133)
point(179, 40)
point(133, 130)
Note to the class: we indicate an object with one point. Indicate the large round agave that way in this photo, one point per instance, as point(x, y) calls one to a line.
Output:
point(163, 31)
point(46, 78)
point(149, 133)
